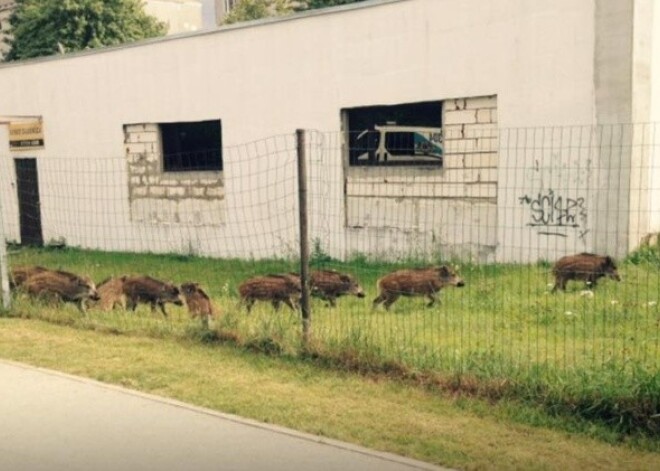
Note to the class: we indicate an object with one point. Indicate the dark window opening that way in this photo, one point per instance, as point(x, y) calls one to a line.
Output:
point(406, 134)
point(192, 146)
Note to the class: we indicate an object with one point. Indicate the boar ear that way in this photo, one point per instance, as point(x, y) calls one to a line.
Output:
point(344, 277)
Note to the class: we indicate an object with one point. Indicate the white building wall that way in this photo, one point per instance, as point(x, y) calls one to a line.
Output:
point(271, 78)
point(654, 177)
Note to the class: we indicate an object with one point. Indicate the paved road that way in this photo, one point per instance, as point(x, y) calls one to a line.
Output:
point(51, 421)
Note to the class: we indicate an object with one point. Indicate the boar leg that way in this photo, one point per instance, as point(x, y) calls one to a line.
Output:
point(560, 282)
point(390, 300)
point(591, 281)
point(49, 297)
point(131, 304)
point(327, 298)
point(81, 305)
point(248, 304)
point(121, 303)
point(161, 305)
point(432, 299)
point(288, 302)
point(276, 304)
point(378, 300)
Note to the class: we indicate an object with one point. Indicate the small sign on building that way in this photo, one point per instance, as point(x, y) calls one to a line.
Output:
point(27, 135)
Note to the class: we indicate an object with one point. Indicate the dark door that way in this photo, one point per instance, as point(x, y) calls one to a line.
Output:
point(29, 207)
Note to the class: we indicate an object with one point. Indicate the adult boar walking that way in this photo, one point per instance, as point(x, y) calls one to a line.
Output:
point(61, 286)
point(330, 284)
point(144, 289)
point(415, 282)
point(587, 267)
point(19, 275)
point(278, 289)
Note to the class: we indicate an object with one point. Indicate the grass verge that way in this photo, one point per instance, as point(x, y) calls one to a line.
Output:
point(375, 412)
point(591, 354)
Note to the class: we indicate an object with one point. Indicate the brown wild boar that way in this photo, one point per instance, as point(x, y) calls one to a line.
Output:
point(587, 267)
point(282, 288)
point(111, 293)
point(415, 282)
point(198, 302)
point(144, 289)
point(18, 275)
point(62, 286)
point(330, 284)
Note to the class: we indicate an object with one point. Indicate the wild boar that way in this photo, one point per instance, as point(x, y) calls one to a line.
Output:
point(18, 275)
point(62, 286)
point(144, 289)
point(111, 293)
point(282, 288)
point(198, 302)
point(415, 282)
point(587, 267)
point(330, 284)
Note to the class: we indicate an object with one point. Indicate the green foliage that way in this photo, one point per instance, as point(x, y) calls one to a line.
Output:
point(647, 254)
point(313, 4)
point(44, 27)
point(319, 257)
point(248, 10)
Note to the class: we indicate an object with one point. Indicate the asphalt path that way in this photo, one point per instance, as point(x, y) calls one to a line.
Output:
point(53, 421)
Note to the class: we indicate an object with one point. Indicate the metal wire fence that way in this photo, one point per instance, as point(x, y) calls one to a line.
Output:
point(491, 210)
point(500, 219)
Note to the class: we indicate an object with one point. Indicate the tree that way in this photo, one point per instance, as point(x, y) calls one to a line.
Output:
point(45, 27)
point(313, 4)
point(247, 10)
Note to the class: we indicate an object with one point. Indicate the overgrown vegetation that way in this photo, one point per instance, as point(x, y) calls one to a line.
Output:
point(46, 27)
point(247, 10)
point(589, 354)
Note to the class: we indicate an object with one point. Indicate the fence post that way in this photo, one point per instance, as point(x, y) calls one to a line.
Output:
point(304, 235)
point(4, 272)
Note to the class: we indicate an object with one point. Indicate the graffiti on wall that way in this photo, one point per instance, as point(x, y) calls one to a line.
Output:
point(554, 211)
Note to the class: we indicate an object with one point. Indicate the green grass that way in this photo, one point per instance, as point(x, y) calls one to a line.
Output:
point(504, 335)
point(384, 414)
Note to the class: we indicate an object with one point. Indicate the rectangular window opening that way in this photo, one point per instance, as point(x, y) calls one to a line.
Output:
point(391, 135)
point(192, 146)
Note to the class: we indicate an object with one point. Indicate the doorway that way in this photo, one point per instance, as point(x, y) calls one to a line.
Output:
point(29, 205)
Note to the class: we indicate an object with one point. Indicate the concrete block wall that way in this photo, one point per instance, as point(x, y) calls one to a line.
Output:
point(157, 197)
point(431, 208)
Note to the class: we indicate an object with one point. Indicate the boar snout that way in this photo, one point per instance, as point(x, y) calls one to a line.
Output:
point(460, 284)
point(357, 291)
